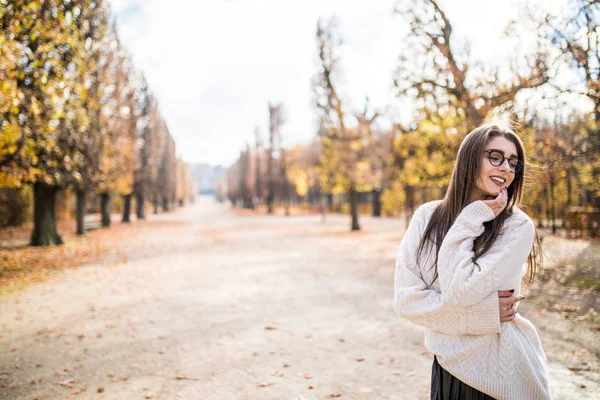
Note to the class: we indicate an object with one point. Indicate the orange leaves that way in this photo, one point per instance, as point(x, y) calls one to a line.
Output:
point(20, 265)
point(305, 375)
point(277, 373)
point(68, 383)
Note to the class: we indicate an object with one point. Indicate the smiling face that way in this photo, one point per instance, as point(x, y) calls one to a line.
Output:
point(492, 179)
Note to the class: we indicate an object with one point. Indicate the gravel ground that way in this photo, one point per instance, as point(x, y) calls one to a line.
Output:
point(214, 304)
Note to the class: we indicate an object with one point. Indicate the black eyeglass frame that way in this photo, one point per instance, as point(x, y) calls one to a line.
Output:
point(513, 169)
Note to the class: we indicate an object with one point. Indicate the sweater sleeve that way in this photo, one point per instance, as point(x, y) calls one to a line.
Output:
point(425, 306)
point(465, 282)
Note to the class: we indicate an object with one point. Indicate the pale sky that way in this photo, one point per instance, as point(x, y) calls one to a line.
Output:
point(215, 64)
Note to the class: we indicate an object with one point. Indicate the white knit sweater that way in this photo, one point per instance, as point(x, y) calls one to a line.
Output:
point(460, 310)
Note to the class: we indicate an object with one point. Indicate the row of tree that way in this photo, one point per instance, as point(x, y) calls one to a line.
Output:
point(75, 113)
point(259, 175)
point(408, 164)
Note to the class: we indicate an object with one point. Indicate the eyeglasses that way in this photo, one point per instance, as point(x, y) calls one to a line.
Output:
point(496, 158)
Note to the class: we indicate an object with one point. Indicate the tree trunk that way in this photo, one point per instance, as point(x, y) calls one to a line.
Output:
point(552, 206)
point(547, 208)
point(105, 209)
point(44, 218)
point(376, 203)
point(286, 198)
point(569, 187)
point(270, 199)
point(16, 207)
point(80, 211)
point(165, 204)
point(595, 201)
point(324, 207)
point(354, 208)
point(127, 207)
point(569, 198)
point(139, 204)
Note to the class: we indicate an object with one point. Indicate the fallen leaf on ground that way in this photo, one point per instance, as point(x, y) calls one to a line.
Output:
point(265, 384)
point(181, 377)
point(80, 390)
point(66, 383)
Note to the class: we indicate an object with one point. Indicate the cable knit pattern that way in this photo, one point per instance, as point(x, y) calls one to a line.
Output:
point(460, 309)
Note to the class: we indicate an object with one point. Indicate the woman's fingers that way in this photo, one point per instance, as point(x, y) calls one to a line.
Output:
point(518, 298)
point(508, 302)
point(502, 200)
point(508, 306)
point(508, 316)
point(498, 203)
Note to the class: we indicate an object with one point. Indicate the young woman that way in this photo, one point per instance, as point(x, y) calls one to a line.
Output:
point(459, 271)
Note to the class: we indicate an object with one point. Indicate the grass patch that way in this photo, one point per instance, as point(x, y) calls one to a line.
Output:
point(584, 283)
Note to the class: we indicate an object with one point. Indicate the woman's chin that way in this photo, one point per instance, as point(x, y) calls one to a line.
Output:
point(494, 192)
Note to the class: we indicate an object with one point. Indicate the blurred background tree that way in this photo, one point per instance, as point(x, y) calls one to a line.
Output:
point(75, 115)
point(78, 118)
point(392, 170)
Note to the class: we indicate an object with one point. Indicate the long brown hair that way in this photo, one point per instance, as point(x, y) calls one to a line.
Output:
point(463, 180)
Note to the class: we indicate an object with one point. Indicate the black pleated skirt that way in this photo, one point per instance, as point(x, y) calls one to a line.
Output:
point(444, 386)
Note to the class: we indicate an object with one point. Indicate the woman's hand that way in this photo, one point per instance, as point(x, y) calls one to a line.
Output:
point(498, 203)
point(508, 305)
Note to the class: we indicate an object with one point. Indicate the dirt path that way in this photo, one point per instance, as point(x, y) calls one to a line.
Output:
point(213, 305)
